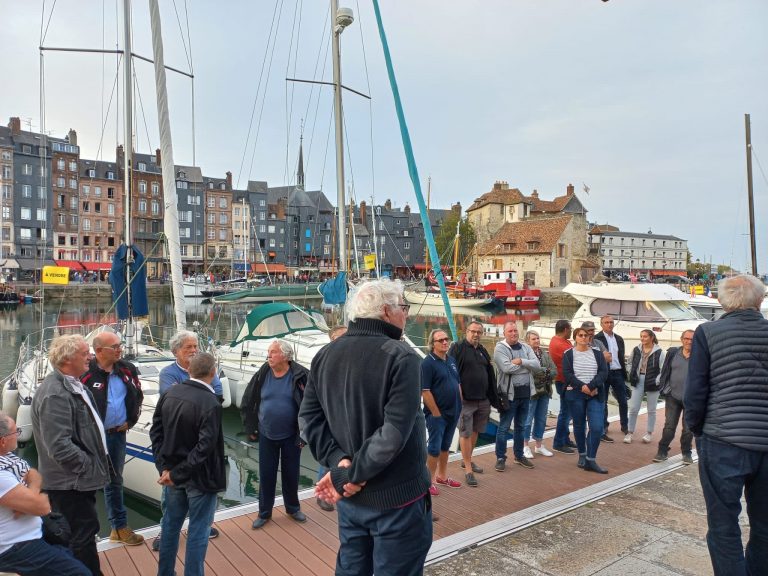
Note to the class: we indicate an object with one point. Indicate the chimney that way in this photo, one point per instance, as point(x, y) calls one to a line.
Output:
point(119, 159)
point(407, 209)
point(535, 194)
point(569, 190)
point(158, 160)
point(388, 205)
point(363, 212)
point(72, 137)
point(229, 180)
point(15, 125)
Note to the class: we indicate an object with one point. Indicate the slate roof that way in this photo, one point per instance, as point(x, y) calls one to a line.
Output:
point(506, 197)
point(643, 235)
point(545, 231)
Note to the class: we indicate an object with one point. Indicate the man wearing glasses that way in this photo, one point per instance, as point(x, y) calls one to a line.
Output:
point(477, 380)
point(361, 418)
point(674, 372)
point(116, 390)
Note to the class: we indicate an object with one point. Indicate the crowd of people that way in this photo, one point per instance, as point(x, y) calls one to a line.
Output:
point(379, 420)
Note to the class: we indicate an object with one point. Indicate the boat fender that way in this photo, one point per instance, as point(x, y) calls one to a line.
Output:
point(24, 422)
point(10, 400)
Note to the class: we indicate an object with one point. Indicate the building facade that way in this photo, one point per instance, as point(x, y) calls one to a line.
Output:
point(634, 253)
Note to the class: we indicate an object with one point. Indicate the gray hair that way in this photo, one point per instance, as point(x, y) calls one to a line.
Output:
point(5, 424)
point(431, 339)
point(285, 348)
point(62, 348)
point(98, 341)
point(530, 333)
point(202, 365)
point(369, 298)
point(178, 339)
point(740, 292)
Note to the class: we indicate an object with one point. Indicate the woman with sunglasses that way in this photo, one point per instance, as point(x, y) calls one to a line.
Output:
point(647, 359)
point(585, 372)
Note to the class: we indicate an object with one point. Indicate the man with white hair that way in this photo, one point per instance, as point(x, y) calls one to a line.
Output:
point(726, 409)
point(361, 418)
point(71, 445)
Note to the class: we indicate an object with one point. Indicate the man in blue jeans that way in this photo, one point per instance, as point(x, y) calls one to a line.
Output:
point(516, 364)
point(726, 409)
point(188, 446)
point(558, 344)
point(617, 374)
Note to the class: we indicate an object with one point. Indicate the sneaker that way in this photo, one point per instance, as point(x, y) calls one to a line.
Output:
point(213, 534)
point(628, 438)
point(500, 465)
point(524, 462)
point(687, 459)
point(125, 536)
point(606, 438)
point(156, 544)
point(527, 452)
point(571, 444)
point(647, 438)
point(542, 450)
point(433, 490)
point(475, 468)
point(470, 479)
point(661, 456)
point(450, 482)
point(298, 516)
point(564, 449)
point(326, 506)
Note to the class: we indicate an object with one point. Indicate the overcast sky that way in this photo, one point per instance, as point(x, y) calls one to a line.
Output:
point(642, 100)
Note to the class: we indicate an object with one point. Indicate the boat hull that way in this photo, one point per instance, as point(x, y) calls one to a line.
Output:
point(276, 293)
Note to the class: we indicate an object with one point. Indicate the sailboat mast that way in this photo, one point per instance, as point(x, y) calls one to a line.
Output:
point(171, 219)
point(456, 250)
point(127, 169)
point(750, 196)
point(336, 30)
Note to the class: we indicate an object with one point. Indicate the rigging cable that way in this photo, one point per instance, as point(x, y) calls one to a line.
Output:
point(323, 40)
point(295, 31)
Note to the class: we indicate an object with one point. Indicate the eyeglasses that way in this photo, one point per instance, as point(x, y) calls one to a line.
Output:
point(475, 331)
point(17, 433)
point(115, 347)
point(442, 340)
point(687, 339)
point(582, 335)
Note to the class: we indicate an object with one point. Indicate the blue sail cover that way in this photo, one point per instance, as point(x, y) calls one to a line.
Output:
point(118, 280)
point(334, 291)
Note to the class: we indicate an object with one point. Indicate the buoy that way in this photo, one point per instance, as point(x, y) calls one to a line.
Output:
point(10, 400)
point(24, 422)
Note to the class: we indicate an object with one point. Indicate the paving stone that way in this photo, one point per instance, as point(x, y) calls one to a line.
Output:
point(680, 553)
point(481, 562)
point(635, 567)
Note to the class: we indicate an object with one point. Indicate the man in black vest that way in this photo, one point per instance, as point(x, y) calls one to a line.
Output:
point(726, 408)
point(617, 372)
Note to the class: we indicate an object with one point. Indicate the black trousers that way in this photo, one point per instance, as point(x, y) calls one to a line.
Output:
point(79, 508)
point(673, 409)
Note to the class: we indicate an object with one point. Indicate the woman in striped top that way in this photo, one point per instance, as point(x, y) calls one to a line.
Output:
point(585, 372)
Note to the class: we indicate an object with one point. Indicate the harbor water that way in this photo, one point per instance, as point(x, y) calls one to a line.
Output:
point(219, 323)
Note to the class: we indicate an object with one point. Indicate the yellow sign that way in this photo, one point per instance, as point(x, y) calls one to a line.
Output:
point(370, 262)
point(55, 275)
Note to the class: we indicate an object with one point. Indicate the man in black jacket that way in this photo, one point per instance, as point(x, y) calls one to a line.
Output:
point(617, 372)
point(477, 380)
point(188, 446)
point(726, 408)
point(361, 418)
point(116, 390)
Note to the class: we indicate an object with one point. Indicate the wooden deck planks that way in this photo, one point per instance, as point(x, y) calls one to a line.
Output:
point(284, 547)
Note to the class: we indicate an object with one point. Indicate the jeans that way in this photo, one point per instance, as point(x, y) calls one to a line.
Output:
point(637, 400)
point(113, 492)
point(79, 508)
point(288, 455)
point(586, 408)
point(201, 506)
point(562, 435)
point(391, 542)
point(537, 418)
point(673, 409)
point(726, 471)
point(518, 411)
point(38, 558)
point(616, 382)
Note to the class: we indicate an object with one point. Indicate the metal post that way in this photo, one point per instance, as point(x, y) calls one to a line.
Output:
point(750, 196)
point(339, 121)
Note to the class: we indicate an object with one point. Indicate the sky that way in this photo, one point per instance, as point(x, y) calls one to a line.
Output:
point(642, 101)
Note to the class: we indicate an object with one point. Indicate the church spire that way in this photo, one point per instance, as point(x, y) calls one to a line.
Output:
point(300, 169)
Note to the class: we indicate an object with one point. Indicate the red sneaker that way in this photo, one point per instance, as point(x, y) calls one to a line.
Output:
point(450, 482)
point(433, 490)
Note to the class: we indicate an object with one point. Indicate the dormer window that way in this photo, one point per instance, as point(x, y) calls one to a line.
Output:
point(533, 244)
point(142, 166)
point(223, 186)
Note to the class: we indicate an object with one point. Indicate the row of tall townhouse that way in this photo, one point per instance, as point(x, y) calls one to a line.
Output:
point(58, 207)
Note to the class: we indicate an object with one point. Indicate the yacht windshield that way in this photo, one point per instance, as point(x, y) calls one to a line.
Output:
point(676, 310)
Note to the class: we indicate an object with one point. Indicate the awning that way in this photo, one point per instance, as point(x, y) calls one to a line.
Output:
point(96, 266)
point(9, 263)
point(269, 268)
point(71, 264)
point(239, 266)
point(669, 272)
point(33, 264)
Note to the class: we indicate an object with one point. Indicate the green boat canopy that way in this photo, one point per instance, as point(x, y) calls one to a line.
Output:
point(278, 319)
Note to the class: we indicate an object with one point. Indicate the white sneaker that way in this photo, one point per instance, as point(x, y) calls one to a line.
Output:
point(647, 438)
point(628, 439)
point(543, 451)
point(527, 453)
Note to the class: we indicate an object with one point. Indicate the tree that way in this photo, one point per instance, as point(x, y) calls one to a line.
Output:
point(445, 237)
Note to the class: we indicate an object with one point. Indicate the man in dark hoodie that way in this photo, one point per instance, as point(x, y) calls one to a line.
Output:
point(361, 418)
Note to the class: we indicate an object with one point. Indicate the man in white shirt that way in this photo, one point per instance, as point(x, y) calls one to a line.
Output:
point(617, 372)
